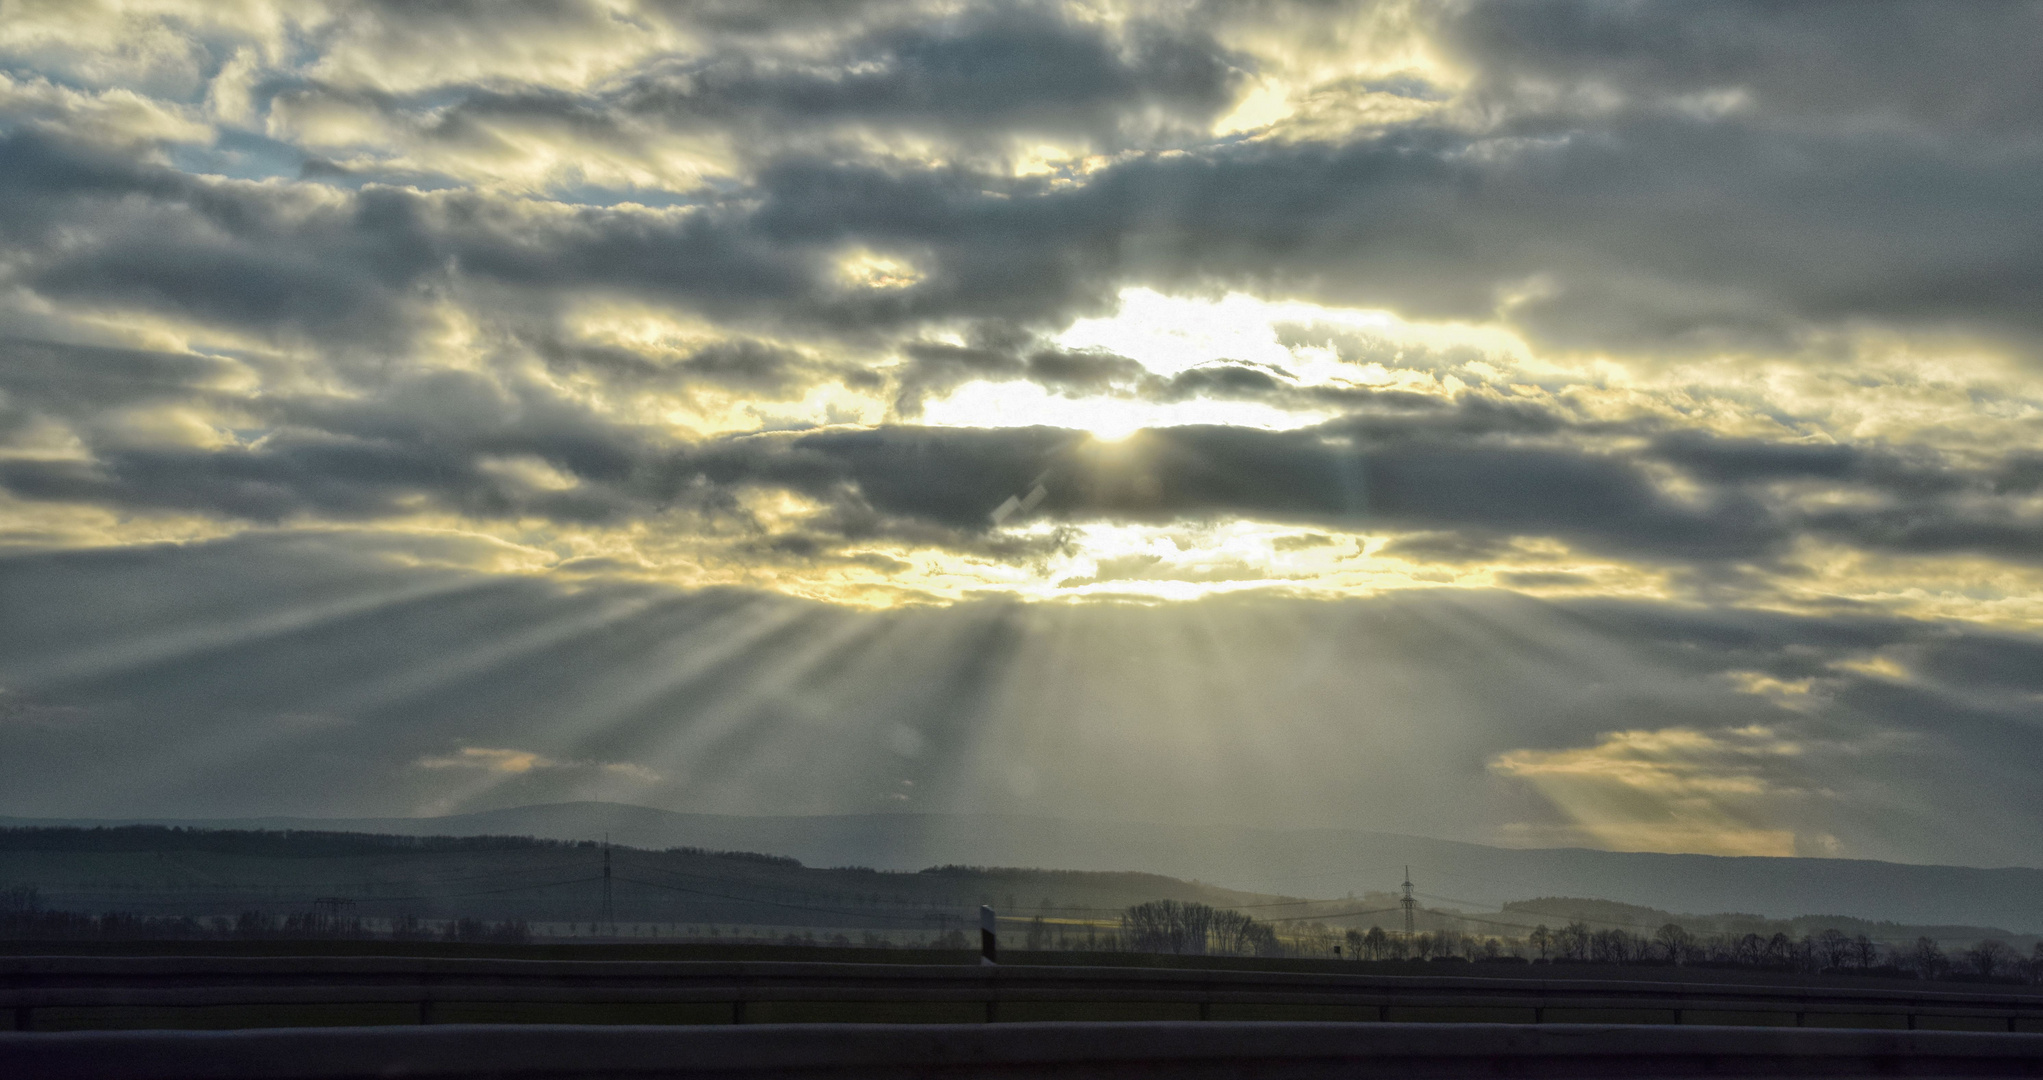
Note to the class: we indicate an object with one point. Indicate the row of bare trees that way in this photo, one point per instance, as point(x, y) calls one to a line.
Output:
point(1189, 929)
point(23, 917)
point(1170, 926)
point(1991, 958)
point(1831, 950)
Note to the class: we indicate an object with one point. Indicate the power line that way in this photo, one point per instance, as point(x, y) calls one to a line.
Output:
point(484, 892)
point(1522, 926)
point(342, 887)
point(1493, 922)
point(1332, 915)
point(1454, 900)
point(797, 907)
point(1065, 908)
point(272, 901)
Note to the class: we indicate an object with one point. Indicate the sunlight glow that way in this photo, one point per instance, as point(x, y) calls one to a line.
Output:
point(1023, 404)
point(1674, 789)
point(862, 268)
point(1173, 334)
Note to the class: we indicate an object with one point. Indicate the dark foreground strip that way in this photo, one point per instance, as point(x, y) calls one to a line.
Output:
point(1065, 1051)
point(59, 992)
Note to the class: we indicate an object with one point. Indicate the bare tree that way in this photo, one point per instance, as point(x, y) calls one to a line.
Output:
point(1674, 941)
point(1541, 939)
point(1167, 926)
point(1313, 939)
point(1572, 941)
point(1615, 946)
point(1927, 958)
point(1989, 957)
point(1833, 948)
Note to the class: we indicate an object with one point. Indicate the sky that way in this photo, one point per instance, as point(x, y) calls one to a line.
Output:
point(1540, 423)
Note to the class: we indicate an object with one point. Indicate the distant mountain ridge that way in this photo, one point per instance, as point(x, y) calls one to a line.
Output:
point(1292, 862)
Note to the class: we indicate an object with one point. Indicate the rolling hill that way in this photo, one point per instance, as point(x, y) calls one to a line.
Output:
point(1314, 863)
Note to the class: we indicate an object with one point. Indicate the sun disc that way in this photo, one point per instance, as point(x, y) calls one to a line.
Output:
point(1113, 430)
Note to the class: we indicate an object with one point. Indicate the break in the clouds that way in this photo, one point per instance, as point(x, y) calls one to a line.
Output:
point(1710, 327)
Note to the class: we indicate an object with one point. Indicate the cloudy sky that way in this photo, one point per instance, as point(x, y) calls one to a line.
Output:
point(1542, 423)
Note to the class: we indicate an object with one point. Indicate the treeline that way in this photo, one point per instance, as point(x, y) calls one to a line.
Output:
point(1170, 926)
point(266, 843)
point(1561, 910)
point(1160, 926)
point(1831, 950)
point(301, 843)
point(24, 918)
point(1167, 926)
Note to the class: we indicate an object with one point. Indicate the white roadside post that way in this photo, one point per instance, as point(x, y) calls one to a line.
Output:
point(987, 946)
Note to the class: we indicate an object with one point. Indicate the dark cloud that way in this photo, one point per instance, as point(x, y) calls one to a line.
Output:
point(1467, 474)
point(1084, 372)
point(40, 380)
point(1655, 228)
point(981, 75)
point(936, 368)
point(758, 369)
point(1445, 547)
point(1906, 472)
point(955, 477)
point(1226, 381)
point(1951, 69)
point(2021, 473)
point(1937, 529)
point(101, 230)
point(1302, 542)
point(1540, 579)
point(352, 458)
point(985, 80)
point(2004, 662)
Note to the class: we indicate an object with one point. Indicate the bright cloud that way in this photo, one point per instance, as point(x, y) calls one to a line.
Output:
point(1674, 789)
point(520, 762)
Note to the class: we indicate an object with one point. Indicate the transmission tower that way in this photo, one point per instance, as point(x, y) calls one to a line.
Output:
point(609, 911)
point(330, 913)
point(1408, 903)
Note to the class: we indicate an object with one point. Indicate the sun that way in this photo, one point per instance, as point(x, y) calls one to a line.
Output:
point(1112, 429)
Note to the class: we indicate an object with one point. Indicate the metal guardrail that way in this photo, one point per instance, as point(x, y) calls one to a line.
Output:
point(1238, 1051)
point(735, 992)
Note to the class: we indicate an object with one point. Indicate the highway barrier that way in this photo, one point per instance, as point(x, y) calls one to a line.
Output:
point(70, 992)
point(1052, 1051)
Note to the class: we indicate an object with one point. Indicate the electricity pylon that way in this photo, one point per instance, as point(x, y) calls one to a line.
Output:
point(1408, 903)
point(609, 910)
